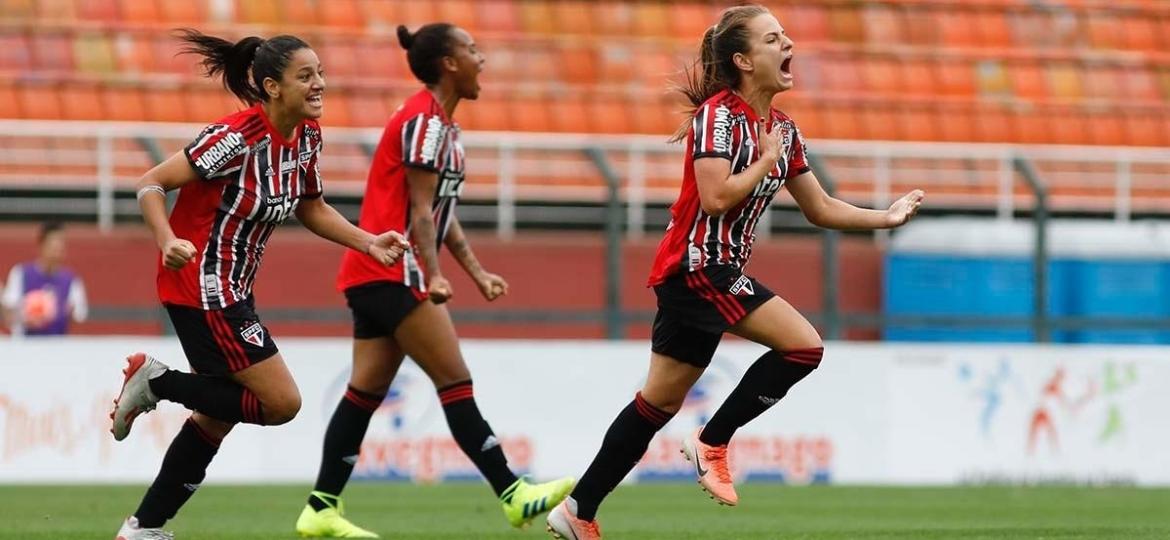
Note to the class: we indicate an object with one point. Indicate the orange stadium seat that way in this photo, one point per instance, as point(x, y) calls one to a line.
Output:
point(994, 124)
point(841, 122)
point(500, 15)
point(140, 11)
point(652, 20)
point(1032, 126)
point(878, 123)
point(573, 17)
point(337, 111)
point(54, 10)
point(919, 78)
point(1141, 33)
point(1028, 80)
point(993, 27)
point(1163, 76)
point(52, 51)
point(609, 115)
point(262, 12)
point(461, 13)
point(383, 59)
point(300, 13)
point(342, 14)
point(340, 58)
point(689, 21)
point(536, 17)
point(165, 104)
point(181, 12)
point(957, 28)
point(368, 109)
point(921, 27)
point(846, 24)
point(578, 64)
point(883, 75)
point(1108, 127)
point(528, 112)
point(205, 104)
point(98, 10)
point(485, 114)
point(134, 53)
point(1102, 82)
point(570, 113)
point(1140, 84)
point(1065, 80)
point(1105, 30)
point(842, 73)
point(81, 102)
point(955, 77)
point(9, 106)
point(655, 116)
point(803, 22)
point(39, 101)
point(919, 122)
point(123, 103)
point(94, 53)
point(1067, 125)
point(167, 57)
point(15, 52)
point(614, 18)
point(956, 123)
point(617, 63)
point(883, 25)
point(1144, 129)
point(18, 9)
point(656, 66)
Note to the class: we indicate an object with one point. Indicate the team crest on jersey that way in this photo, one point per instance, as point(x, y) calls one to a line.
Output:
point(743, 287)
point(253, 334)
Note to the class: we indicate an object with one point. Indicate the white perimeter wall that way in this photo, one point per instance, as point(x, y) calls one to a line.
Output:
point(873, 413)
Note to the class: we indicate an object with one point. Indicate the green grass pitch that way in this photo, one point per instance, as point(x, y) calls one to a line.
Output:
point(674, 511)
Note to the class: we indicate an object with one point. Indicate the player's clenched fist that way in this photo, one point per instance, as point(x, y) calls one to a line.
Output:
point(388, 247)
point(177, 253)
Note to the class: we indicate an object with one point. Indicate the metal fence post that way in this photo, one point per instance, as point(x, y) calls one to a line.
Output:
point(614, 323)
point(830, 259)
point(1041, 326)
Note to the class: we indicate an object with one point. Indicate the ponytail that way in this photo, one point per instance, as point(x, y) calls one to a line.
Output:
point(232, 62)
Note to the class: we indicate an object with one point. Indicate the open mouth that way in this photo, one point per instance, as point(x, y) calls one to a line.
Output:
point(786, 68)
point(316, 100)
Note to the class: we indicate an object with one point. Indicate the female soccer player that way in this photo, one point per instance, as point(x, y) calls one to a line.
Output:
point(413, 186)
point(740, 152)
point(239, 179)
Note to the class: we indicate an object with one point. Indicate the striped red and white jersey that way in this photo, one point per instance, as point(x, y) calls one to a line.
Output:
point(725, 127)
point(251, 180)
point(419, 135)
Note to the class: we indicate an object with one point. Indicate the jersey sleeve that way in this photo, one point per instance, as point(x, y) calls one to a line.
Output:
point(422, 137)
point(712, 127)
point(218, 151)
point(314, 184)
point(797, 155)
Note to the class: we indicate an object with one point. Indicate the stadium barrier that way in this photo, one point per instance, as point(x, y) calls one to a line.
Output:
point(872, 414)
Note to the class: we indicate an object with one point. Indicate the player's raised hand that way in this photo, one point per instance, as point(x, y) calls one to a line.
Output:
point(177, 253)
point(492, 286)
point(905, 208)
point(388, 247)
point(771, 143)
point(439, 289)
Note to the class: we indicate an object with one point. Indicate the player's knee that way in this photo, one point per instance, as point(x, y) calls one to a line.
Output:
point(282, 409)
point(809, 356)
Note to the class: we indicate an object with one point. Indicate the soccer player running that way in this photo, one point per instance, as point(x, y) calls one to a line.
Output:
point(740, 152)
point(414, 183)
point(238, 180)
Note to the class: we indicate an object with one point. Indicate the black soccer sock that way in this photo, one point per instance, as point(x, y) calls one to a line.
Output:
point(183, 469)
point(343, 442)
point(474, 436)
point(764, 383)
point(217, 397)
point(624, 444)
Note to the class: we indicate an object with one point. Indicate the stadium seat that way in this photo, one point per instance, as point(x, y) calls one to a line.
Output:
point(94, 53)
point(340, 58)
point(1065, 80)
point(342, 14)
point(1144, 129)
point(1141, 33)
point(920, 77)
point(918, 122)
point(577, 64)
point(39, 101)
point(879, 123)
point(614, 18)
point(1105, 31)
point(618, 62)
point(883, 24)
point(1163, 76)
point(165, 104)
point(167, 58)
point(883, 75)
point(500, 16)
point(609, 115)
point(134, 53)
point(652, 20)
point(1028, 81)
point(385, 59)
point(1106, 127)
point(52, 51)
point(485, 114)
point(956, 78)
point(1032, 126)
point(461, 13)
point(53, 10)
point(81, 102)
point(841, 122)
point(570, 114)
point(842, 73)
point(804, 22)
point(300, 13)
point(529, 112)
point(338, 112)
point(18, 10)
point(1140, 84)
point(846, 24)
point(956, 123)
point(921, 28)
point(140, 12)
point(123, 103)
point(536, 17)
point(9, 105)
point(181, 12)
point(15, 51)
point(957, 28)
point(98, 10)
point(689, 21)
point(993, 27)
point(994, 124)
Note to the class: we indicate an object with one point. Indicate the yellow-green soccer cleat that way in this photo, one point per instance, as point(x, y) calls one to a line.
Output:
point(329, 522)
point(523, 501)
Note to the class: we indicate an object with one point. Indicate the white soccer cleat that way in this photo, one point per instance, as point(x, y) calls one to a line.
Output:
point(564, 524)
point(131, 531)
point(135, 397)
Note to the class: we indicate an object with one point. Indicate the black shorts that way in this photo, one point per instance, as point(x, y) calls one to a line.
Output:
point(379, 307)
point(696, 308)
point(222, 342)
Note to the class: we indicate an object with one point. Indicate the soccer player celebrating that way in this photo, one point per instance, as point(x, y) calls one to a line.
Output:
point(240, 178)
point(740, 152)
point(413, 186)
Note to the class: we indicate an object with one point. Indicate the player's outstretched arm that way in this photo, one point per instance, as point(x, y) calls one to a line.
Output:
point(325, 221)
point(824, 211)
point(491, 286)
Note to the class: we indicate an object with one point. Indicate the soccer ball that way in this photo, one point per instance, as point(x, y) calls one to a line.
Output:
point(39, 308)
